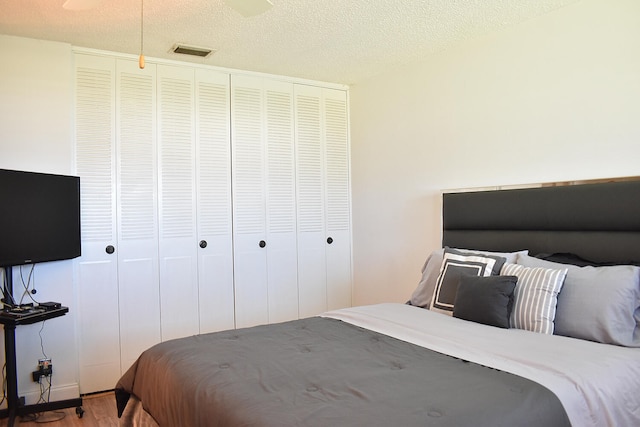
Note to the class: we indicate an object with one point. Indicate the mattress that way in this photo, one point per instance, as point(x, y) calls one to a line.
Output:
point(598, 384)
point(382, 365)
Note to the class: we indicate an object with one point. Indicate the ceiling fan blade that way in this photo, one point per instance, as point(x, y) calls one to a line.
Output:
point(81, 4)
point(249, 8)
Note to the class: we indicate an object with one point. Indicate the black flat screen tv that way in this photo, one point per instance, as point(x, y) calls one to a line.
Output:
point(39, 217)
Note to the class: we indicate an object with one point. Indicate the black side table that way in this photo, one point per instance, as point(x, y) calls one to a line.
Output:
point(14, 406)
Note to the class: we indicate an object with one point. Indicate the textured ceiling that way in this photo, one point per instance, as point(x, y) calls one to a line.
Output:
point(342, 41)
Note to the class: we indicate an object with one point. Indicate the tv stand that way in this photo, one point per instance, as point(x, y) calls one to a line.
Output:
point(15, 405)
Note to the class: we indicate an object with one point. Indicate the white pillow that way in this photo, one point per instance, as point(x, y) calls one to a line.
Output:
point(535, 297)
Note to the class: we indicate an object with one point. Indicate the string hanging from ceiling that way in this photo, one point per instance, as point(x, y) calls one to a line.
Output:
point(141, 58)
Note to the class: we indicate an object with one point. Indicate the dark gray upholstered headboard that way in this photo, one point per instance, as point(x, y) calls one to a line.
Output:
point(598, 222)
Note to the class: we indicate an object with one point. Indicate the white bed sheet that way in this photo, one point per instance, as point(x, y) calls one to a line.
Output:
point(598, 384)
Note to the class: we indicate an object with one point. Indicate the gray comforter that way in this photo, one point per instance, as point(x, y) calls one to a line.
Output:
point(325, 372)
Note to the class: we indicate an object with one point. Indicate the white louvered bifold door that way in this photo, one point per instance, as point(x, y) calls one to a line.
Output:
point(324, 207)
point(137, 209)
point(98, 330)
point(312, 275)
point(265, 256)
point(337, 199)
point(215, 245)
point(177, 202)
point(282, 256)
point(249, 202)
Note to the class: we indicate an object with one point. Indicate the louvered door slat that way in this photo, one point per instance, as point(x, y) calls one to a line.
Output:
point(214, 211)
point(137, 154)
point(337, 165)
point(280, 162)
point(94, 152)
point(176, 158)
point(309, 164)
point(248, 161)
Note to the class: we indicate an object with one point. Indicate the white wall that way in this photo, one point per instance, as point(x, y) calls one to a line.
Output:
point(36, 135)
point(556, 98)
point(35, 108)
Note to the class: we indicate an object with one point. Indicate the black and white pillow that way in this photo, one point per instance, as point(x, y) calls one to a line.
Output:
point(454, 265)
point(423, 293)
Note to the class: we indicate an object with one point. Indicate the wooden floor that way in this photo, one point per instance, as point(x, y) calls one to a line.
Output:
point(99, 410)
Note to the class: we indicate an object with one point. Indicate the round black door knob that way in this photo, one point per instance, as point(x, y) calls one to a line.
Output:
point(110, 249)
point(330, 240)
point(262, 243)
point(203, 244)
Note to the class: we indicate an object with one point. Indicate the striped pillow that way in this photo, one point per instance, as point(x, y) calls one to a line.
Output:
point(535, 296)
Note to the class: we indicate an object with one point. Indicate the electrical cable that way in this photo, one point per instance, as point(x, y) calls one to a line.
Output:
point(8, 296)
point(26, 286)
point(45, 390)
point(41, 340)
point(4, 383)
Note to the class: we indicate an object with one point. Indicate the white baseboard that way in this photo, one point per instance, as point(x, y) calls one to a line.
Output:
point(61, 392)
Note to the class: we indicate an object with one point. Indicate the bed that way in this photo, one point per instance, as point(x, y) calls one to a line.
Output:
point(528, 316)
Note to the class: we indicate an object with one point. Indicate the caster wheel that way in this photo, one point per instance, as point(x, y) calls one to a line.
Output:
point(79, 411)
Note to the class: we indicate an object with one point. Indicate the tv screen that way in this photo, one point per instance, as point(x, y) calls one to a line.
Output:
point(39, 217)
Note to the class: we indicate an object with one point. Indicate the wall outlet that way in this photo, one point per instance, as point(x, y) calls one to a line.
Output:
point(45, 369)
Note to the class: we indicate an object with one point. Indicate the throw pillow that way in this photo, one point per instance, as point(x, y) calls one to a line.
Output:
point(454, 265)
point(600, 304)
point(421, 296)
point(486, 300)
point(535, 296)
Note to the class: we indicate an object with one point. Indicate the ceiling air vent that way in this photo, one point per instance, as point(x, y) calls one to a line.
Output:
point(202, 52)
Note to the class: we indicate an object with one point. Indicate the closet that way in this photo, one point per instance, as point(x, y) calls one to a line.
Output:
point(210, 200)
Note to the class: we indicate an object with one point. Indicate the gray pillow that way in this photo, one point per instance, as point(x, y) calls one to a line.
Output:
point(421, 296)
point(600, 304)
point(486, 300)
